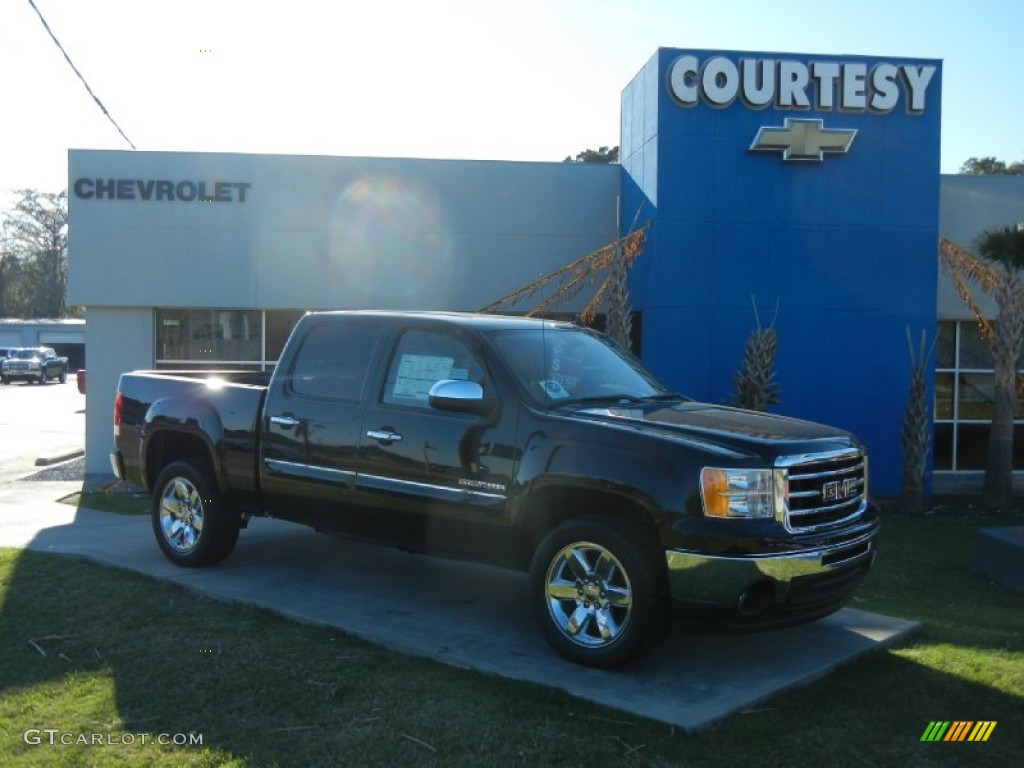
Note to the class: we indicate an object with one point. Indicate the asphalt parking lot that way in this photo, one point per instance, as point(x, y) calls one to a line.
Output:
point(462, 614)
point(39, 422)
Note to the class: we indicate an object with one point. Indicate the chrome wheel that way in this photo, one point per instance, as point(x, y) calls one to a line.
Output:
point(181, 515)
point(588, 594)
point(193, 523)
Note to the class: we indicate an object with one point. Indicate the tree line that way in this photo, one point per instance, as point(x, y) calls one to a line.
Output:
point(34, 257)
point(990, 166)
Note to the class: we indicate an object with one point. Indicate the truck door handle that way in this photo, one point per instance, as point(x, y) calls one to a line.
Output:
point(384, 435)
point(285, 421)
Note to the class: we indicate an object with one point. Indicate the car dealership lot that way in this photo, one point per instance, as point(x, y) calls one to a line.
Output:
point(38, 423)
point(463, 614)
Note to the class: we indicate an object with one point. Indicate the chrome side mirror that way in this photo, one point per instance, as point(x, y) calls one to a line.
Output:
point(458, 395)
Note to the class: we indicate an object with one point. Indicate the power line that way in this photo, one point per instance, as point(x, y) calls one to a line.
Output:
point(75, 70)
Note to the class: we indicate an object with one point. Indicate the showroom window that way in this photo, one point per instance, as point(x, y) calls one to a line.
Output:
point(964, 384)
point(228, 339)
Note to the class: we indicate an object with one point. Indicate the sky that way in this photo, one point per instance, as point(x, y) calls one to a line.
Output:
point(460, 79)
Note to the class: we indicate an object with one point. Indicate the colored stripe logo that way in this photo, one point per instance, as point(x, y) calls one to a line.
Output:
point(959, 730)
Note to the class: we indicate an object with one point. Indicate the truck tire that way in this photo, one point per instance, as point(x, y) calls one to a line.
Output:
point(42, 378)
point(194, 526)
point(63, 375)
point(599, 590)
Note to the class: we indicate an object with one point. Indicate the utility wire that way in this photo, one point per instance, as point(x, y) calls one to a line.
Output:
point(75, 69)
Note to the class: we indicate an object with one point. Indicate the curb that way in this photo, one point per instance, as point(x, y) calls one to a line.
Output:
point(50, 460)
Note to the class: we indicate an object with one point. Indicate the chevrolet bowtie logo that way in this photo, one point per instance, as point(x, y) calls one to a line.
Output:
point(803, 139)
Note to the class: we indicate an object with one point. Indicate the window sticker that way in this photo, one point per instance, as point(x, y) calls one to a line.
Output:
point(567, 367)
point(418, 373)
point(553, 389)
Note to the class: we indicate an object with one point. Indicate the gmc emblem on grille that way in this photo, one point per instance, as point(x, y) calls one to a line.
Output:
point(839, 490)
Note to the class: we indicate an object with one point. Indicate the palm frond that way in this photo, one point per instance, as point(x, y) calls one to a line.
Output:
point(567, 282)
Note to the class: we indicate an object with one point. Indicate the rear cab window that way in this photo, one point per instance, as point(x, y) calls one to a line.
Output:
point(333, 361)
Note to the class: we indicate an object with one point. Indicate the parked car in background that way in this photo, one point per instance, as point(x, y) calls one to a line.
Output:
point(5, 352)
point(34, 364)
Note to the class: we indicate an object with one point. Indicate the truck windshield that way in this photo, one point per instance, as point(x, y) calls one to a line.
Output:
point(569, 365)
point(26, 354)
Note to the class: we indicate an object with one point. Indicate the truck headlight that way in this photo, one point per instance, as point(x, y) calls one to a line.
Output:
point(742, 493)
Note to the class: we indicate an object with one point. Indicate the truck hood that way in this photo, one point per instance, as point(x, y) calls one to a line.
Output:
point(731, 428)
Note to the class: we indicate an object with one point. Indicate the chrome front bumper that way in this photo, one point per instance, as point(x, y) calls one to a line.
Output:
point(716, 580)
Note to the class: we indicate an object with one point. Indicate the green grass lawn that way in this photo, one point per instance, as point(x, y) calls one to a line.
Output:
point(116, 656)
point(118, 503)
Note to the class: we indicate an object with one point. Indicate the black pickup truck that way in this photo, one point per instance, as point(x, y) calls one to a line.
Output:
point(38, 364)
point(530, 444)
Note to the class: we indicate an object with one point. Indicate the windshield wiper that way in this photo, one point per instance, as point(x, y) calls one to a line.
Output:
point(598, 399)
point(620, 398)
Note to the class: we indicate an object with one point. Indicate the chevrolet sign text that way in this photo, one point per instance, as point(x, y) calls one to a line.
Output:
point(161, 190)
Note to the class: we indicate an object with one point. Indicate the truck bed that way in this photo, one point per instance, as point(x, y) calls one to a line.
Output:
point(219, 410)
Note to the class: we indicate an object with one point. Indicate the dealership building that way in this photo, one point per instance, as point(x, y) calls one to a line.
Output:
point(807, 186)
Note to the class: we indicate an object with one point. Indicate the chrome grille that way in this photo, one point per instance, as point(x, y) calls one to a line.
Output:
point(825, 491)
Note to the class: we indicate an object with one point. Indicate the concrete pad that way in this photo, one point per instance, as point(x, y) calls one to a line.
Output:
point(463, 614)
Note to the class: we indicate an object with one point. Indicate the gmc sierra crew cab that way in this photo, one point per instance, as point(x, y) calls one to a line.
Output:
point(530, 444)
point(33, 364)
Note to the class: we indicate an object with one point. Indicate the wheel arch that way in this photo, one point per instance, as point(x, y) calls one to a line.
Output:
point(164, 446)
point(180, 428)
point(550, 505)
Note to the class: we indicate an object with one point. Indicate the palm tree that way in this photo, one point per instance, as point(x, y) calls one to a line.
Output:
point(754, 385)
point(915, 432)
point(999, 273)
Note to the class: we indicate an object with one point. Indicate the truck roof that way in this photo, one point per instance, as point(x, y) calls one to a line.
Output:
point(475, 320)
